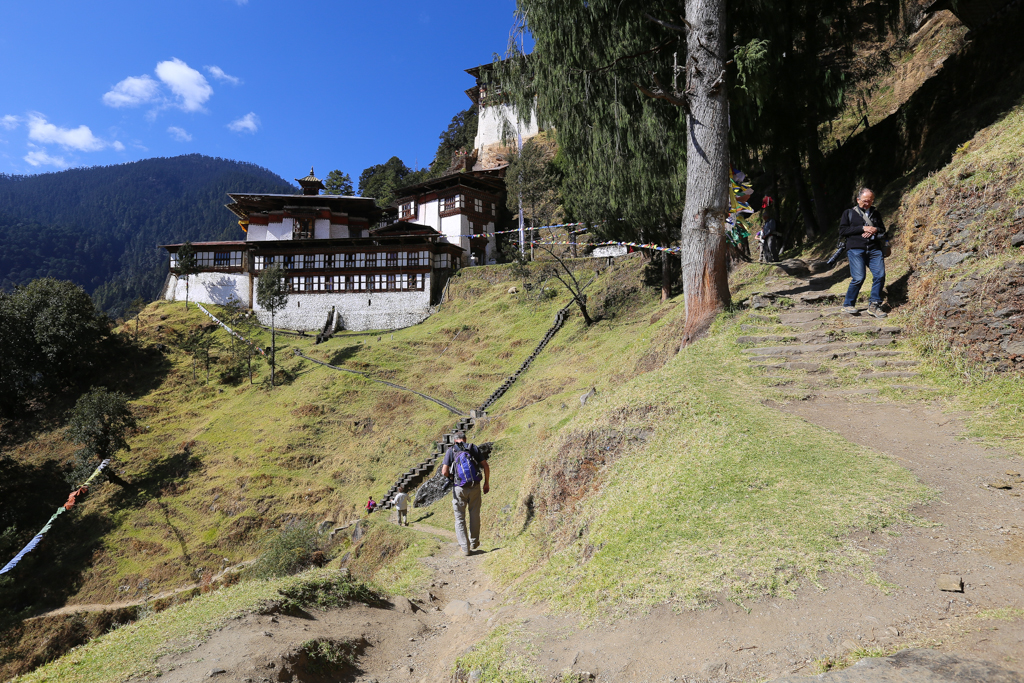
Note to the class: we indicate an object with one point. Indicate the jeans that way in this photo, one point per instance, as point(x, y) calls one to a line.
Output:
point(875, 263)
point(403, 517)
point(467, 500)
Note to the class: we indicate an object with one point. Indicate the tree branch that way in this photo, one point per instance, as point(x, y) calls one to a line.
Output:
point(657, 48)
point(671, 27)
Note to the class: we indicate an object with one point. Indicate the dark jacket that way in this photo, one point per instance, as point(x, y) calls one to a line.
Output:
point(851, 226)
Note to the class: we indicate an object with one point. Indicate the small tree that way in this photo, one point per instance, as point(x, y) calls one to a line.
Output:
point(99, 423)
point(568, 278)
point(187, 265)
point(135, 309)
point(272, 296)
point(337, 182)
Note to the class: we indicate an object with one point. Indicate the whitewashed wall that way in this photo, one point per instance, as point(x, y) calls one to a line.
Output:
point(322, 229)
point(256, 233)
point(210, 288)
point(489, 125)
point(358, 312)
point(338, 231)
point(270, 233)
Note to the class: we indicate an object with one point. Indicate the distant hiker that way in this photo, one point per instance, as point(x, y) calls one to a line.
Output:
point(371, 505)
point(865, 241)
point(770, 237)
point(463, 463)
point(401, 503)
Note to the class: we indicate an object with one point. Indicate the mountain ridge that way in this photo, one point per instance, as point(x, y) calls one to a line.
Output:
point(100, 226)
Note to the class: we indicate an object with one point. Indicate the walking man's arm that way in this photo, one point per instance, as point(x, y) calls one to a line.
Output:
point(487, 476)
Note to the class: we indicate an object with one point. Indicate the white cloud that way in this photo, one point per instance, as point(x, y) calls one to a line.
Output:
point(39, 157)
point(179, 134)
point(185, 82)
point(247, 124)
point(132, 91)
point(219, 74)
point(9, 122)
point(42, 131)
point(116, 144)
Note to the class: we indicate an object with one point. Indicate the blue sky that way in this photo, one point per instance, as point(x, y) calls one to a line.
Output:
point(286, 85)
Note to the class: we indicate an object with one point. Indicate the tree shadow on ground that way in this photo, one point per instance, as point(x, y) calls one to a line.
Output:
point(339, 356)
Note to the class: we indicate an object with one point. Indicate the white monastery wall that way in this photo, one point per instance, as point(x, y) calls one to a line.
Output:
point(489, 125)
point(338, 231)
point(210, 288)
point(279, 231)
point(428, 214)
point(322, 229)
point(256, 233)
point(357, 311)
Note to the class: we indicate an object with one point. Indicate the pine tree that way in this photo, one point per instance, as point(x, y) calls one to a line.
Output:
point(339, 183)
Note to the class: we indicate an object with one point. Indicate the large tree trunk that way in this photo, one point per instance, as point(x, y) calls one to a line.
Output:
point(703, 246)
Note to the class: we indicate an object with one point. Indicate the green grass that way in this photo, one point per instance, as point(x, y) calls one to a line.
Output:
point(501, 657)
point(726, 495)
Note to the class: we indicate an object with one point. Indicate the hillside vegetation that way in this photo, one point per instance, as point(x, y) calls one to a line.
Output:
point(100, 227)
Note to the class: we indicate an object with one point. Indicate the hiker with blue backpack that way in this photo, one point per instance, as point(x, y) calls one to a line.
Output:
point(463, 463)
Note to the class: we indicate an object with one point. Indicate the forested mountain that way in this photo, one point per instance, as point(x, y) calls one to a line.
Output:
point(100, 227)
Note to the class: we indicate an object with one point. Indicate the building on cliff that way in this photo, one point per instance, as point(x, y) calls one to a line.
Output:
point(344, 270)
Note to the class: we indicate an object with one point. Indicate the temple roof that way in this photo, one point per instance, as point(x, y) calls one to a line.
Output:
point(311, 185)
point(246, 204)
point(484, 181)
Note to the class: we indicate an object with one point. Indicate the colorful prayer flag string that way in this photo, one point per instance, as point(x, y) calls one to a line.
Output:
point(72, 499)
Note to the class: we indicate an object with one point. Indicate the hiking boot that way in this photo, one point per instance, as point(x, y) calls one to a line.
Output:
point(876, 310)
point(466, 552)
point(476, 545)
point(849, 310)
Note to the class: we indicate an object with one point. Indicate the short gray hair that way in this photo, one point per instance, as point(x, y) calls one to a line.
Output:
point(861, 191)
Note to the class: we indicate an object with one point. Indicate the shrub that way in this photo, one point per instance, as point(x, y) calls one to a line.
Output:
point(289, 551)
point(325, 591)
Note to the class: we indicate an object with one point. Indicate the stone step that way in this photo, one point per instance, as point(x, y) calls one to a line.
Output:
point(878, 354)
point(798, 349)
point(799, 317)
point(869, 329)
point(745, 340)
point(772, 319)
point(808, 367)
point(888, 375)
point(882, 363)
point(767, 359)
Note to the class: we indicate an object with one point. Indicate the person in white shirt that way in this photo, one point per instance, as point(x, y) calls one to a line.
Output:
point(401, 502)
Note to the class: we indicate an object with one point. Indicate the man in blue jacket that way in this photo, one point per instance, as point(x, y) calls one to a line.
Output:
point(865, 238)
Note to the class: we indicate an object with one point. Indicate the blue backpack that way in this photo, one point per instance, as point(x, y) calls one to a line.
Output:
point(467, 472)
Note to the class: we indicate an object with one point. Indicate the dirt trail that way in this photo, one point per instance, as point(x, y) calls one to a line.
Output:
point(978, 537)
point(971, 531)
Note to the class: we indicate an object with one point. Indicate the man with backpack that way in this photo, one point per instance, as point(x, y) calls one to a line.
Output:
point(463, 463)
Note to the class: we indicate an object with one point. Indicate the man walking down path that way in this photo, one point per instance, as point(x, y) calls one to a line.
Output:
point(401, 502)
point(865, 238)
point(463, 462)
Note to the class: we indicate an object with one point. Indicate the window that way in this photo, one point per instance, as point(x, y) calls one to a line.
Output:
point(478, 205)
point(391, 260)
point(492, 209)
point(371, 261)
point(452, 203)
point(442, 261)
point(407, 210)
point(413, 258)
point(392, 283)
point(355, 283)
point(287, 261)
point(174, 260)
point(302, 228)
